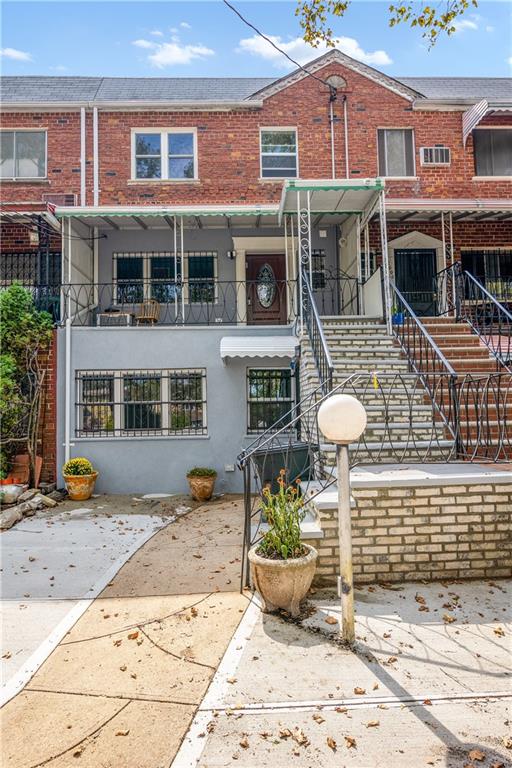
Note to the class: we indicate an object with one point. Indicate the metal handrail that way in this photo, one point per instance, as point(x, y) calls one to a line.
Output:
point(319, 346)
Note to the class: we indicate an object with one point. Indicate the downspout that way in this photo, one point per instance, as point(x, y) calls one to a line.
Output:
point(67, 403)
point(345, 125)
point(95, 165)
point(83, 166)
point(333, 95)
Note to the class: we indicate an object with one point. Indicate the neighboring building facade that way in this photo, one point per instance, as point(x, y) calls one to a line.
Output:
point(173, 224)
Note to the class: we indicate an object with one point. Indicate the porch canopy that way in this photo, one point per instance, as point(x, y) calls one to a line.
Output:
point(257, 346)
point(336, 199)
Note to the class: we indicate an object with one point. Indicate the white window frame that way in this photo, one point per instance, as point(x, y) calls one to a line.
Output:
point(27, 130)
point(119, 430)
point(436, 163)
point(164, 155)
point(249, 401)
point(396, 128)
point(281, 129)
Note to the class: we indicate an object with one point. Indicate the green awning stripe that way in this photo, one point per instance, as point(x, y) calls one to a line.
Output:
point(146, 213)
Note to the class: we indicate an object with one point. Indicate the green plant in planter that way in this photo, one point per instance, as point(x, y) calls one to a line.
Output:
point(284, 512)
point(78, 466)
point(202, 472)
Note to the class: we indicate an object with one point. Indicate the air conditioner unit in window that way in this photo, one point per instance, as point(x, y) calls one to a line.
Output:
point(59, 198)
point(437, 155)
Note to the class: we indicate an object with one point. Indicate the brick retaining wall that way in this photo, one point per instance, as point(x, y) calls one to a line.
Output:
point(402, 534)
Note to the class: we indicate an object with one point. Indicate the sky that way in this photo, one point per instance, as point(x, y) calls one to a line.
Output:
point(193, 39)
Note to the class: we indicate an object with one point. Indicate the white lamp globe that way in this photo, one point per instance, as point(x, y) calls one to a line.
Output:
point(342, 419)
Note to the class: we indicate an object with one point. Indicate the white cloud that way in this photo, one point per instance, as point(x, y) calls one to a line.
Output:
point(167, 54)
point(510, 60)
point(15, 54)
point(185, 25)
point(489, 28)
point(156, 33)
point(302, 52)
point(463, 24)
point(59, 68)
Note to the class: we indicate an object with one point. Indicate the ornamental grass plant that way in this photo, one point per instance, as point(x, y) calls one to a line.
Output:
point(284, 512)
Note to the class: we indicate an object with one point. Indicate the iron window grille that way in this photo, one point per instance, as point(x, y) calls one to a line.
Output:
point(372, 265)
point(143, 275)
point(438, 155)
point(492, 268)
point(23, 154)
point(396, 152)
point(279, 153)
point(141, 403)
point(269, 398)
point(318, 269)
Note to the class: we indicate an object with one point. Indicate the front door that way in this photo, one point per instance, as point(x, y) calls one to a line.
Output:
point(415, 270)
point(266, 289)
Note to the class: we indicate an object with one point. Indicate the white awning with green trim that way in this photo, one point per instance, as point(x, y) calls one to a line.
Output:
point(329, 197)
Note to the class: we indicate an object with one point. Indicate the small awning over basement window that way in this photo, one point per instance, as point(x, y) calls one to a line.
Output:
point(257, 346)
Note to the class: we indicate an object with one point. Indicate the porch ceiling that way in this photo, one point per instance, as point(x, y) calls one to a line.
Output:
point(153, 217)
point(462, 210)
point(334, 198)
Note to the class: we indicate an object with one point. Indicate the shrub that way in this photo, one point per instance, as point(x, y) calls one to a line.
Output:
point(5, 465)
point(284, 511)
point(78, 466)
point(202, 472)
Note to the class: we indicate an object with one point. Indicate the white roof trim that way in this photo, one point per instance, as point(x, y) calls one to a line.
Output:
point(453, 205)
point(337, 57)
point(258, 346)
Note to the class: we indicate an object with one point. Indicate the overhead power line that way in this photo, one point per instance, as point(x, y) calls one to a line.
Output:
point(332, 89)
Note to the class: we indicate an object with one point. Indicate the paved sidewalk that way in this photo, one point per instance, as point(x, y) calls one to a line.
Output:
point(122, 687)
point(430, 684)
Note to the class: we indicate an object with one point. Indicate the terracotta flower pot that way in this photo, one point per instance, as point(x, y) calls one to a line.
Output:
point(80, 487)
point(201, 488)
point(283, 583)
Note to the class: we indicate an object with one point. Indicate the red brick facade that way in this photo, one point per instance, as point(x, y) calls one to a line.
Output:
point(229, 153)
point(48, 423)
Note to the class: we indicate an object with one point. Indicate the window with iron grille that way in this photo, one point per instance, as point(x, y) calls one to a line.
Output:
point(141, 403)
point(438, 155)
point(139, 276)
point(318, 265)
point(269, 398)
point(492, 268)
point(368, 268)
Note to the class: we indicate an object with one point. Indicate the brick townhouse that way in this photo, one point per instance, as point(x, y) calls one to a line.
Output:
point(174, 227)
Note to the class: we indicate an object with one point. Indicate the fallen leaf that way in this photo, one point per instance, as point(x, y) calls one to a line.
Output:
point(211, 726)
point(420, 599)
point(133, 635)
point(31, 558)
point(300, 737)
point(372, 723)
point(244, 742)
point(196, 554)
point(386, 635)
point(350, 742)
point(476, 754)
point(392, 659)
point(360, 691)
point(318, 718)
point(448, 619)
point(331, 620)
point(375, 686)
point(117, 643)
point(78, 752)
point(341, 709)
point(123, 733)
point(194, 611)
point(232, 680)
point(7, 655)
point(507, 741)
point(428, 702)
point(497, 765)
point(285, 733)
point(123, 668)
point(499, 631)
point(331, 743)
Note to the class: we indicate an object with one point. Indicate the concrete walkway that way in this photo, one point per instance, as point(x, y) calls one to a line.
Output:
point(123, 685)
point(430, 684)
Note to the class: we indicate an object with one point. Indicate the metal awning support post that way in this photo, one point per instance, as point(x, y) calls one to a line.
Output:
point(67, 370)
point(385, 260)
point(360, 301)
point(182, 268)
point(447, 236)
point(304, 244)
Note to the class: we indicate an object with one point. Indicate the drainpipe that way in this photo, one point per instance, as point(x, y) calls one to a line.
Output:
point(67, 395)
point(83, 167)
point(345, 124)
point(95, 166)
point(333, 95)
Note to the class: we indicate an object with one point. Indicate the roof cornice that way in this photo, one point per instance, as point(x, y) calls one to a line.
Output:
point(132, 106)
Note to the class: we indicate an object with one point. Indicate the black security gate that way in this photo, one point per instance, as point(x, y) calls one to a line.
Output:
point(415, 270)
point(39, 271)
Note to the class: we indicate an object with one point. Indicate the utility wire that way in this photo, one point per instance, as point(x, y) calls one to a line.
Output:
point(332, 89)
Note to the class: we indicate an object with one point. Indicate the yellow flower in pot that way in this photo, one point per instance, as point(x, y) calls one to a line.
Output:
point(201, 481)
point(79, 476)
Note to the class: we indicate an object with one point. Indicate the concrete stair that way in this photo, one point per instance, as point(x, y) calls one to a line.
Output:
point(461, 347)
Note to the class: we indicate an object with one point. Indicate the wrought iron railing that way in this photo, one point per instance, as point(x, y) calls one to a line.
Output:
point(46, 298)
point(459, 293)
point(319, 347)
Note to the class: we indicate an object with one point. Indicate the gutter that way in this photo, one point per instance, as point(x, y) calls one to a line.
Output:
point(160, 106)
point(456, 105)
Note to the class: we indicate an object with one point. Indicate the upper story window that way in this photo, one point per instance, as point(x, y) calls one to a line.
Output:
point(22, 154)
point(493, 151)
point(396, 152)
point(169, 154)
point(279, 153)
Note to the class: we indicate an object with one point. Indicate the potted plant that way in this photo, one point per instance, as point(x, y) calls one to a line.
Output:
point(398, 316)
point(201, 481)
point(282, 567)
point(79, 476)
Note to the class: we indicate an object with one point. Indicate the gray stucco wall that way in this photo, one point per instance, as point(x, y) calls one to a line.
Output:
point(160, 464)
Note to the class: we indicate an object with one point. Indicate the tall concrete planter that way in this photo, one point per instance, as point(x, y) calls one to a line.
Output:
point(283, 583)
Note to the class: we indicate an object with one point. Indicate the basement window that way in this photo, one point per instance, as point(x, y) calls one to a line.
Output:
point(396, 152)
point(493, 151)
point(141, 403)
point(22, 154)
point(269, 398)
point(167, 155)
point(279, 153)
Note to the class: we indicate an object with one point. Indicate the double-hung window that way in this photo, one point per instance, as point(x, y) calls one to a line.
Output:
point(141, 403)
point(269, 398)
point(279, 153)
point(493, 151)
point(169, 154)
point(22, 154)
point(396, 152)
